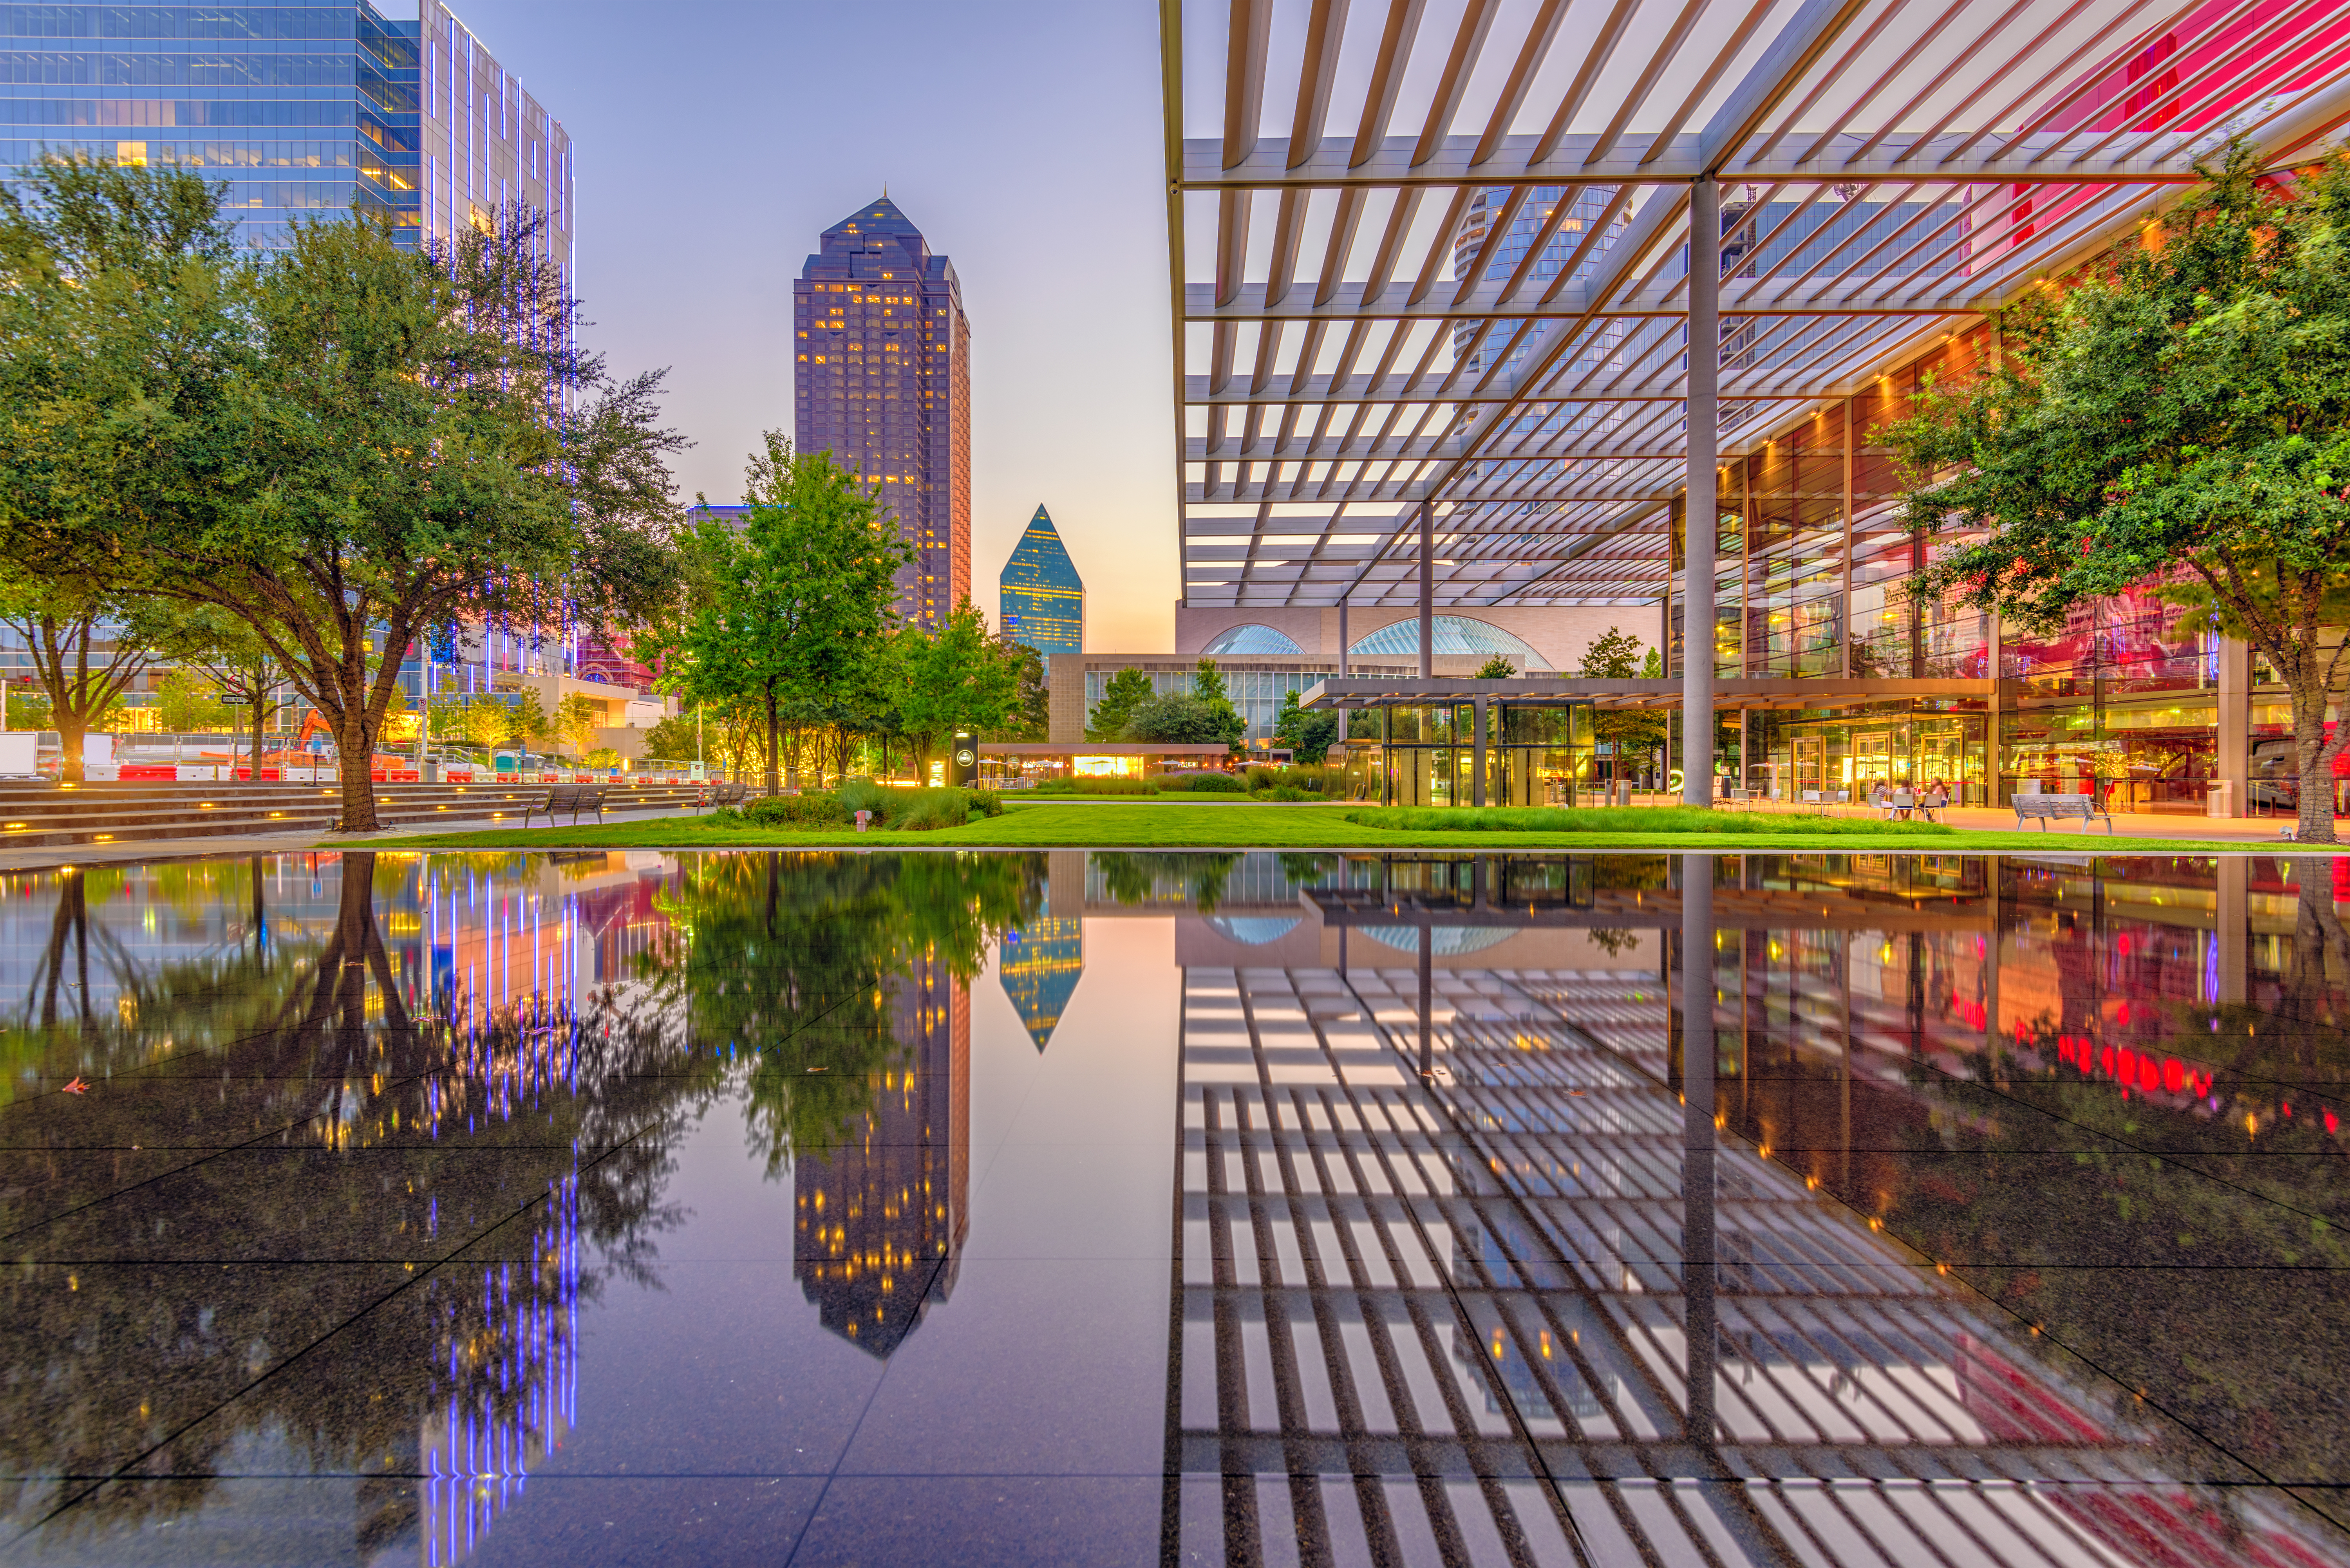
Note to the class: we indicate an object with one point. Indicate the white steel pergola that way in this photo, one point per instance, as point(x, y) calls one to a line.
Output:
point(1431, 262)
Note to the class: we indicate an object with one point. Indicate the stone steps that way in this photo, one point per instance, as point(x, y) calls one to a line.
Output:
point(57, 816)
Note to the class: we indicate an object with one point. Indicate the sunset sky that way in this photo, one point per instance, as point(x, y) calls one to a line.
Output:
point(715, 140)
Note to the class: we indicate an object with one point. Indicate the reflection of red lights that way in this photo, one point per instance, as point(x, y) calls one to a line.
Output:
point(2137, 1069)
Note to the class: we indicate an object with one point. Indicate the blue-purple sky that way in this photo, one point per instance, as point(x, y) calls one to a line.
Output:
point(715, 140)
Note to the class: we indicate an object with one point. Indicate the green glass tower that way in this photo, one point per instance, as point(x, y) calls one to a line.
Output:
point(1044, 600)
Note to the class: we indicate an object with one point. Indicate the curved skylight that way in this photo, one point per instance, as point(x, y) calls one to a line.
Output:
point(1442, 941)
point(1251, 640)
point(1455, 634)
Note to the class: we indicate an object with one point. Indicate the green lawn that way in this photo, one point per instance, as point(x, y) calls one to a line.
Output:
point(1160, 825)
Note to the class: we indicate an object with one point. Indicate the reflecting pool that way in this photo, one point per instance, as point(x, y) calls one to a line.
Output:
point(1185, 1208)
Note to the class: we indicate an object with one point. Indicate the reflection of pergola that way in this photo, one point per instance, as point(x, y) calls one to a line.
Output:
point(1464, 1272)
point(1436, 350)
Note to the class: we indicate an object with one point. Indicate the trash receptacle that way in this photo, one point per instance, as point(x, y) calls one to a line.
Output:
point(2219, 798)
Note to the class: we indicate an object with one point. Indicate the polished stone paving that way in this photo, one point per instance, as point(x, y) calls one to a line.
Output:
point(1189, 1209)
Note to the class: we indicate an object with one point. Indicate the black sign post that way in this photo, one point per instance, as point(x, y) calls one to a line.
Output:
point(962, 761)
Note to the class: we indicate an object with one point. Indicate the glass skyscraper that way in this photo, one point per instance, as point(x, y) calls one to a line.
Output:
point(882, 379)
point(302, 109)
point(1043, 601)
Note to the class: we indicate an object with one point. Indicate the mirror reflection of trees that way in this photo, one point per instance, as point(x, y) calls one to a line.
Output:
point(315, 1087)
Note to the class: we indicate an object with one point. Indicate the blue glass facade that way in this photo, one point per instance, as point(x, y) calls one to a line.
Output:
point(299, 109)
point(881, 379)
point(1042, 599)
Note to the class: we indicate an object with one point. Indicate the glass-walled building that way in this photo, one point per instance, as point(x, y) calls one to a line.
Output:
point(2132, 696)
point(1432, 754)
point(301, 110)
point(881, 379)
point(1040, 599)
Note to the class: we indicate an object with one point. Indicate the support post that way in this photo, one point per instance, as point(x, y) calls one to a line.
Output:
point(1703, 517)
point(1342, 639)
point(2235, 719)
point(1428, 590)
point(1477, 792)
point(1698, 1282)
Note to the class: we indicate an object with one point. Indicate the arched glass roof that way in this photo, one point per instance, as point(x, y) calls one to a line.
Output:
point(1455, 634)
point(1252, 640)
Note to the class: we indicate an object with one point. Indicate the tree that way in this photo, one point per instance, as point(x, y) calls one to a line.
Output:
point(1031, 718)
point(185, 702)
point(1208, 683)
point(673, 739)
point(1121, 695)
point(1181, 719)
point(112, 334)
point(347, 443)
point(1497, 668)
point(2180, 421)
point(958, 679)
point(574, 722)
point(1308, 736)
point(789, 610)
point(523, 723)
point(1628, 733)
point(226, 649)
point(88, 646)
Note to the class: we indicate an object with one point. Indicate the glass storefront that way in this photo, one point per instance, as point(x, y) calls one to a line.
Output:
point(1427, 756)
point(1841, 756)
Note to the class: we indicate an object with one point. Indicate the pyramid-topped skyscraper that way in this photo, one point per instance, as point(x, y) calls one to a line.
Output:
point(1043, 599)
point(881, 379)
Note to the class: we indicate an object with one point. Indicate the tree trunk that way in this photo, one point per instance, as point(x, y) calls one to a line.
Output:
point(774, 724)
point(72, 731)
point(2315, 761)
point(357, 769)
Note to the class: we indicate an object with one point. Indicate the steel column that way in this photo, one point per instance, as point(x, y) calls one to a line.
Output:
point(1428, 590)
point(1477, 792)
point(1704, 515)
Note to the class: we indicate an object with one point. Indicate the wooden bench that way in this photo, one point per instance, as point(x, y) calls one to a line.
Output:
point(573, 798)
point(2029, 807)
point(724, 794)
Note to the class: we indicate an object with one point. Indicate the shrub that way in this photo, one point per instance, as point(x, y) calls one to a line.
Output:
point(1200, 784)
point(1260, 777)
point(923, 809)
point(1280, 792)
point(863, 794)
point(810, 810)
point(1097, 786)
point(987, 803)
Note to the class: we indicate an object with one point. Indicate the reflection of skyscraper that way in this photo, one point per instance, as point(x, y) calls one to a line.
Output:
point(880, 1222)
point(1039, 966)
point(1043, 601)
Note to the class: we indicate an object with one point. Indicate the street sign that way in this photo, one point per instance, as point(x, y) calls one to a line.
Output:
point(230, 702)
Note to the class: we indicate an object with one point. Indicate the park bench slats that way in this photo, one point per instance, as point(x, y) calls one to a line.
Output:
point(573, 798)
point(2039, 808)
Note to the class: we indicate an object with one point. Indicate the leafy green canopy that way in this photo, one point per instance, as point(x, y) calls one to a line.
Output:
point(1121, 695)
point(344, 442)
point(791, 612)
point(2181, 421)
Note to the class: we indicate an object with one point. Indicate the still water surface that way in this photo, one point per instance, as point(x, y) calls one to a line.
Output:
point(1106, 1208)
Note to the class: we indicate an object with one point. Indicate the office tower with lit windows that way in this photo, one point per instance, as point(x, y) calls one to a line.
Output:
point(302, 109)
point(1042, 599)
point(881, 373)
